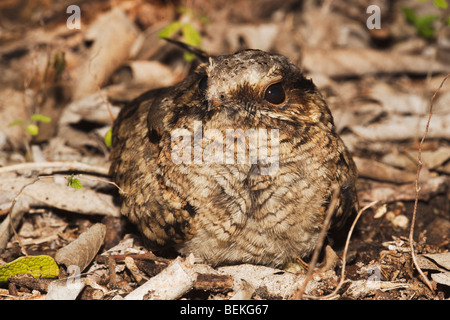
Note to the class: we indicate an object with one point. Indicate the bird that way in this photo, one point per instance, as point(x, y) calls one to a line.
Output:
point(235, 164)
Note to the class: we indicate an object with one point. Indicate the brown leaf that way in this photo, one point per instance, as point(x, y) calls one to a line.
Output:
point(81, 251)
point(379, 171)
point(357, 62)
point(113, 34)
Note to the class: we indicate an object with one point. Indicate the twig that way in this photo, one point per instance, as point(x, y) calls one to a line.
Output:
point(104, 181)
point(419, 168)
point(13, 215)
point(55, 166)
point(344, 255)
point(319, 244)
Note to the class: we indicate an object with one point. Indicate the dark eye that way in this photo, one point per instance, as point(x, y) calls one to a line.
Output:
point(275, 94)
point(203, 83)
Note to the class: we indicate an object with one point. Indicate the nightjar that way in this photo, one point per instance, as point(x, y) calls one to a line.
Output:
point(235, 164)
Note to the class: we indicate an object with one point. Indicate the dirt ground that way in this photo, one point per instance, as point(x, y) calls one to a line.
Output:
point(63, 84)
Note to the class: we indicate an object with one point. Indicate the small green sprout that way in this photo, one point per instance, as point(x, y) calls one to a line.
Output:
point(108, 138)
point(74, 182)
point(425, 24)
point(30, 124)
point(188, 32)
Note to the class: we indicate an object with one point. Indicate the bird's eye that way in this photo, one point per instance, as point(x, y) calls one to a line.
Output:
point(203, 83)
point(275, 94)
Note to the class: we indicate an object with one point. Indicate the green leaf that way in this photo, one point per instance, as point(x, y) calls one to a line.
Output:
point(40, 118)
point(42, 266)
point(425, 26)
point(182, 9)
point(441, 4)
point(32, 129)
point(15, 123)
point(189, 56)
point(170, 30)
point(108, 138)
point(203, 19)
point(191, 36)
point(74, 182)
point(410, 15)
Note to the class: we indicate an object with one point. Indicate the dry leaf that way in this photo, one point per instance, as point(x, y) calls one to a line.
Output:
point(435, 261)
point(385, 192)
point(81, 251)
point(171, 283)
point(442, 278)
point(48, 193)
point(346, 62)
point(65, 289)
point(397, 128)
point(113, 34)
point(382, 172)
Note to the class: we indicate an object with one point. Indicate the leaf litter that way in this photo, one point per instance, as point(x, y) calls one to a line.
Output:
point(378, 86)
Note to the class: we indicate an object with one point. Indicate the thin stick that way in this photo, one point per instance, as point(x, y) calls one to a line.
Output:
point(419, 168)
point(102, 180)
point(10, 217)
point(54, 166)
point(344, 255)
point(319, 244)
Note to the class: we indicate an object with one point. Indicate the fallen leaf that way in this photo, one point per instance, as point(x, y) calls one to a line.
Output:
point(41, 266)
point(81, 251)
point(368, 168)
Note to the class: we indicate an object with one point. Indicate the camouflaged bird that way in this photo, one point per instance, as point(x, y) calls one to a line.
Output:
point(187, 186)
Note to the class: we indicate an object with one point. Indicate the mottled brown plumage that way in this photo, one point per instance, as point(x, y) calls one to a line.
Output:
point(231, 211)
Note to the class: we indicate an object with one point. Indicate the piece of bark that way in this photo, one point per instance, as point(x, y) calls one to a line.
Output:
point(30, 282)
point(170, 284)
point(214, 282)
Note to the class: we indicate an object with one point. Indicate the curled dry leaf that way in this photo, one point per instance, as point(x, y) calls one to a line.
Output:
point(81, 251)
point(113, 34)
point(379, 171)
point(442, 278)
point(437, 262)
point(345, 62)
point(397, 128)
point(92, 108)
point(386, 192)
point(152, 74)
point(259, 36)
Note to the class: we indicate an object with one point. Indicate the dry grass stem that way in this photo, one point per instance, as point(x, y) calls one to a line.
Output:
point(419, 168)
point(320, 240)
